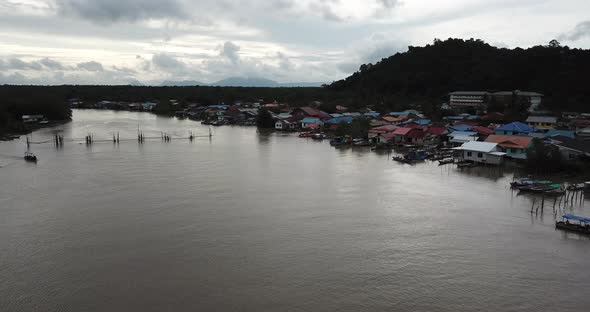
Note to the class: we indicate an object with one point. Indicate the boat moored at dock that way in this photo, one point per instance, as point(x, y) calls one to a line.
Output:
point(580, 226)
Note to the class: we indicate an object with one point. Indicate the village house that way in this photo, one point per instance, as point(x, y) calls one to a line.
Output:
point(382, 134)
point(311, 123)
point(285, 125)
point(572, 149)
point(458, 138)
point(515, 128)
point(481, 152)
point(542, 122)
point(302, 112)
point(407, 135)
point(513, 146)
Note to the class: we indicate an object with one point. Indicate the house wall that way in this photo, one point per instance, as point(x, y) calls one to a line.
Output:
point(483, 158)
point(543, 125)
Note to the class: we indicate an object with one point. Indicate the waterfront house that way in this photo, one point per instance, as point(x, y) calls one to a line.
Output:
point(382, 134)
point(458, 138)
point(300, 113)
point(542, 122)
point(513, 146)
point(283, 124)
point(407, 135)
point(571, 149)
point(515, 128)
point(481, 152)
point(32, 118)
point(311, 123)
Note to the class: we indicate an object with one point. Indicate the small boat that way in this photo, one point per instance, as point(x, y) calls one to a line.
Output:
point(319, 136)
point(445, 161)
point(361, 142)
point(338, 141)
point(402, 159)
point(582, 225)
point(305, 134)
point(30, 157)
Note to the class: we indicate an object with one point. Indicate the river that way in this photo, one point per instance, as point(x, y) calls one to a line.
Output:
point(244, 221)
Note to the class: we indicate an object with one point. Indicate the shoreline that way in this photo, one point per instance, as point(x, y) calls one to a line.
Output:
point(11, 136)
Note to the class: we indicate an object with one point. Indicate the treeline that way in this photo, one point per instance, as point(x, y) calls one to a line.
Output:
point(425, 75)
point(52, 101)
point(16, 101)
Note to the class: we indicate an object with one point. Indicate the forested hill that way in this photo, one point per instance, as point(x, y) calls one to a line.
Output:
point(427, 74)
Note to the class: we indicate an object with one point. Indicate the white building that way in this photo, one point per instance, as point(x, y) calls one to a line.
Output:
point(473, 99)
point(482, 152)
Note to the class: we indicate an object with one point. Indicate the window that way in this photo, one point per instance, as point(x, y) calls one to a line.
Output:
point(479, 155)
point(469, 154)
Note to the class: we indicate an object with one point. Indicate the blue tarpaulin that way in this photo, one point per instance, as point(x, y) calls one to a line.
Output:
point(576, 218)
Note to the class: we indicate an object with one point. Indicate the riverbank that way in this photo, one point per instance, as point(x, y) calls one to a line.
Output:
point(29, 128)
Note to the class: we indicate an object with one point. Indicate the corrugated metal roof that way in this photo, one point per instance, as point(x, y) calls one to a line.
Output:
point(463, 133)
point(482, 147)
point(510, 141)
point(516, 126)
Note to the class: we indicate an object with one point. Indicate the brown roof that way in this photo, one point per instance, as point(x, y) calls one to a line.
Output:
point(510, 141)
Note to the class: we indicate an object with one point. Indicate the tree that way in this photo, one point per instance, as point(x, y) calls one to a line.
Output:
point(264, 119)
point(554, 44)
point(542, 158)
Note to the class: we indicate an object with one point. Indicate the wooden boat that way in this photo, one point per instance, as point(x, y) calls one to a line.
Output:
point(30, 157)
point(402, 160)
point(305, 134)
point(581, 227)
point(445, 161)
point(319, 136)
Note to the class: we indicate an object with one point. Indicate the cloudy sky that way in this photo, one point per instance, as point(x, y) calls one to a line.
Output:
point(125, 41)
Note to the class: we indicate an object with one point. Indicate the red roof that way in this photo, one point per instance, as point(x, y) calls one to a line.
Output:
point(313, 112)
point(384, 129)
point(493, 116)
point(402, 131)
point(467, 123)
point(510, 141)
point(483, 130)
point(416, 133)
point(388, 135)
point(437, 130)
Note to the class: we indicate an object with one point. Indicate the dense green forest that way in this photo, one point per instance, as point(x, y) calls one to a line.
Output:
point(424, 75)
point(419, 78)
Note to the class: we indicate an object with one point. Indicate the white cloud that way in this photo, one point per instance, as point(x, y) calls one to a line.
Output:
point(117, 41)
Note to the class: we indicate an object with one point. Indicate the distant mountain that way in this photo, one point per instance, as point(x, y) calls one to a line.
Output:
point(246, 82)
point(252, 82)
point(182, 83)
point(302, 84)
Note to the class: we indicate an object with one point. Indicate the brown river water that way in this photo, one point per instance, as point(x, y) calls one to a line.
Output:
point(268, 222)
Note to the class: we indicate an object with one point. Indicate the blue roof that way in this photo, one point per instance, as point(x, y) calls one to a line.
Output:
point(461, 127)
point(576, 218)
point(399, 113)
point(516, 127)
point(565, 133)
point(339, 120)
point(423, 122)
point(462, 133)
point(310, 120)
point(372, 114)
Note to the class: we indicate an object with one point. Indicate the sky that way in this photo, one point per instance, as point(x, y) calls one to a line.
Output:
point(150, 41)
